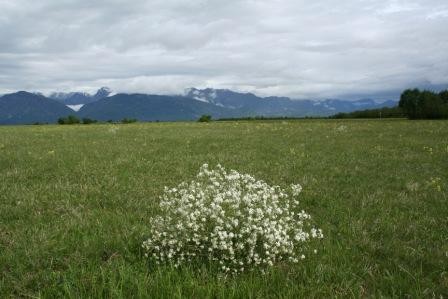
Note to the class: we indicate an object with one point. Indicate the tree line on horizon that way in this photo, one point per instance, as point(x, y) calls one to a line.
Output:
point(424, 104)
point(413, 104)
point(73, 120)
point(386, 112)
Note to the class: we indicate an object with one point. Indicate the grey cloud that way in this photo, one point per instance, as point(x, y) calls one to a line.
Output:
point(303, 49)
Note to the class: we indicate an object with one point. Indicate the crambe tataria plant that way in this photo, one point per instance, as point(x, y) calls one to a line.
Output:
point(230, 219)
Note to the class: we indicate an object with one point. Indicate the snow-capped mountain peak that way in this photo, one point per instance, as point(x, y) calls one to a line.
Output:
point(103, 92)
point(78, 98)
point(205, 95)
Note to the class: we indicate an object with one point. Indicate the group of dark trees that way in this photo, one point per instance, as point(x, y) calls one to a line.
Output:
point(69, 120)
point(205, 118)
point(413, 104)
point(72, 120)
point(425, 104)
point(386, 112)
point(128, 120)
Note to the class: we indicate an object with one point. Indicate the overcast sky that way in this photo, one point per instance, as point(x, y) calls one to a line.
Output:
point(302, 49)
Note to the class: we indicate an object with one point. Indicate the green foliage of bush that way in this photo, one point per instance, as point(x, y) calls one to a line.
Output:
point(88, 121)
point(205, 118)
point(128, 120)
point(69, 120)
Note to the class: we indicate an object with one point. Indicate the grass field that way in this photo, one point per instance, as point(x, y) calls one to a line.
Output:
point(75, 203)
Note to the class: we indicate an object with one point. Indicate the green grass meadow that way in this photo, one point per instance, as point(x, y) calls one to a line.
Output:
point(75, 205)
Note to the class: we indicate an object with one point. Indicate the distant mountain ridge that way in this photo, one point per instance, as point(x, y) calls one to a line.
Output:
point(150, 108)
point(25, 108)
point(248, 104)
point(80, 98)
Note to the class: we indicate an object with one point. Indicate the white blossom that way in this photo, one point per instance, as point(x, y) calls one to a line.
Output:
point(231, 218)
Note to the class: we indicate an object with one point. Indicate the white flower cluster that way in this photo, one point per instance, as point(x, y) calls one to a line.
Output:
point(230, 219)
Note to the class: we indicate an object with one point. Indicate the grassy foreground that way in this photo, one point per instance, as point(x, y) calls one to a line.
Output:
point(75, 203)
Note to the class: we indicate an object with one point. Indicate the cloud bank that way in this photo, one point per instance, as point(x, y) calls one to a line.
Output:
point(302, 49)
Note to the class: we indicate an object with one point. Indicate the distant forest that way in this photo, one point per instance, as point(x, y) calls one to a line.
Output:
point(394, 112)
point(413, 104)
point(424, 104)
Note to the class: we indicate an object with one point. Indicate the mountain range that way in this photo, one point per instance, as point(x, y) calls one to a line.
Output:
point(80, 98)
point(25, 108)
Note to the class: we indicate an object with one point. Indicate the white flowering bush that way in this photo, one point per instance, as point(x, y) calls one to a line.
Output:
point(230, 219)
